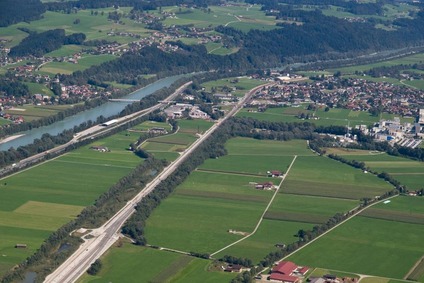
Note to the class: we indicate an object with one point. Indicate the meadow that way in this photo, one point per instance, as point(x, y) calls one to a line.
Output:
point(238, 86)
point(360, 244)
point(35, 202)
point(408, 172)
point(33, 112)
point(335, 116)
point(169, 146)
point(321, 176)
point(67, 68)
point(140, 264)
point(243, 19)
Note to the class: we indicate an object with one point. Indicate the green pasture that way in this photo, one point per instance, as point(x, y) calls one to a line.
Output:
point(134, 263)
point(35, 88)
point(321, 176)
point(162, 147)
point(119, 85)
point(246, 164)
point(177, 139)
point(307, 209)
point(335, 116)
point(35, 202)
point(225, 186)
point(10, 236)
point(199, 270)
point(194, 126)
point(94, 27)
point(201, 224)
point(145, 126)
point(169, 156)
point(367, 246)
point(381, 280)
point(252, 147)
point(415, 83)
point(83, 63)
point(270, 233)
point(408, 172)
point(319, 272)
point(4, 122)
point(66, 50)
point(411, 59)
point(241, 85)
point(246, 18)
point(33, 112)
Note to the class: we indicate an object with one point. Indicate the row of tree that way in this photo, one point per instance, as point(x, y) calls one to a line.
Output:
point(38, 44)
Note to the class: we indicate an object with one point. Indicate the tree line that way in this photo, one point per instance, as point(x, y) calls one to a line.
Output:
point(12, 12)
point(38, 44)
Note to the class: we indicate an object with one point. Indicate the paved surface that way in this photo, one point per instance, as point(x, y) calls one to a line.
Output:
point(104, 236)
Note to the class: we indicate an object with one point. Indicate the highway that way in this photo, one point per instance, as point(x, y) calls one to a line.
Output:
point(104, 237)
point(93, 132)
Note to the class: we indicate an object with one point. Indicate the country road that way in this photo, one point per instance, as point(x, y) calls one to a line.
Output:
point(104, 236)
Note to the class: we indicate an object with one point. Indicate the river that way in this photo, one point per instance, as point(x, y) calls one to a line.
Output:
point(107, 109)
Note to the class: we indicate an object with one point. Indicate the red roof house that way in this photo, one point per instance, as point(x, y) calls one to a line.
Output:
point(303, 270)
point(285, 267)
point(284, 278)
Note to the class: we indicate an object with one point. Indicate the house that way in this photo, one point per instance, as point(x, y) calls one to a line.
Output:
point(233, 268)
point(303, 270)
point(285, 268)
point(265, 186)
point(21, 246)
point(283, 278)
point(274, 173)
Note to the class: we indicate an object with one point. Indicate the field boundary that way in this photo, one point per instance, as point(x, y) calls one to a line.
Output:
point(263, 214)
point(415, 269)
point(228, 172)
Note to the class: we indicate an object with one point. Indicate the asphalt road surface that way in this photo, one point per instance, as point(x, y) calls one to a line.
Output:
point(103, 237)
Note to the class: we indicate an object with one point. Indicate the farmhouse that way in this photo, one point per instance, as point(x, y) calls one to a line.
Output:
point(264, 186)
point(284, 278)
point(285, 271)
point(233, 268)
point(274, 173)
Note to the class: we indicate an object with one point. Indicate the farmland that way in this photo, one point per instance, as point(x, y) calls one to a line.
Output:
point(408, 172)
point(335, 116)
point(36, 202)
point(236, 86)
point(244, 19)
point(320, 176)
point(158, 266)
point(385, 242)
point(168, 146)
point(34, 112)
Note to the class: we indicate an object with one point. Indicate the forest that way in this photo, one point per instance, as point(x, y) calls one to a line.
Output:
point(38, 44)
point(12, 12)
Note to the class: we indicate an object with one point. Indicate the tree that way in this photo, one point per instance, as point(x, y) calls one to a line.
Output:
point(95, 267)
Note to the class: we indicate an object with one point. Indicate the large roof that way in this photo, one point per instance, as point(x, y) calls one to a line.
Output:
point(283, 277)
point(285, 267)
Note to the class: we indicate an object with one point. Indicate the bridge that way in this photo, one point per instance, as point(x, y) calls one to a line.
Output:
point(123, 100)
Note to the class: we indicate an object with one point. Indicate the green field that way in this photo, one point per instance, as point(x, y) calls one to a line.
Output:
point(145, 126)
point(94, 27)
point(33, 112)
point(66, 50)
point(35, 88)
point(130, 263)
point(245, 18)
point(408, 172)
point(168, 146)
point(238, 86)
point(321, 176)
point(83, 63)
point(35, 202)
point(361, 243)
point(335, 116)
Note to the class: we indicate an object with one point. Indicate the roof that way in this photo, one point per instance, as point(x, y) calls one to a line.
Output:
point(283, 278)
point(303, 270)
point(285, 267)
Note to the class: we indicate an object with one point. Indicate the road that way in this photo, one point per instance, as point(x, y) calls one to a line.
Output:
point(104, 236)
point(93, 132)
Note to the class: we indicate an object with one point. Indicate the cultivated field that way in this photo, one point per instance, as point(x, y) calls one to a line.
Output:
point(36, 202)
point(335, 116)
point(168, 146)
point(237, 86)
point(321, 176)
point(33, 112)
point(362, 242)
point(408, 172)
point(131, 263)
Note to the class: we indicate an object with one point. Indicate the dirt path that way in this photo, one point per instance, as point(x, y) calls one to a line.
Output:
point(263, 214)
